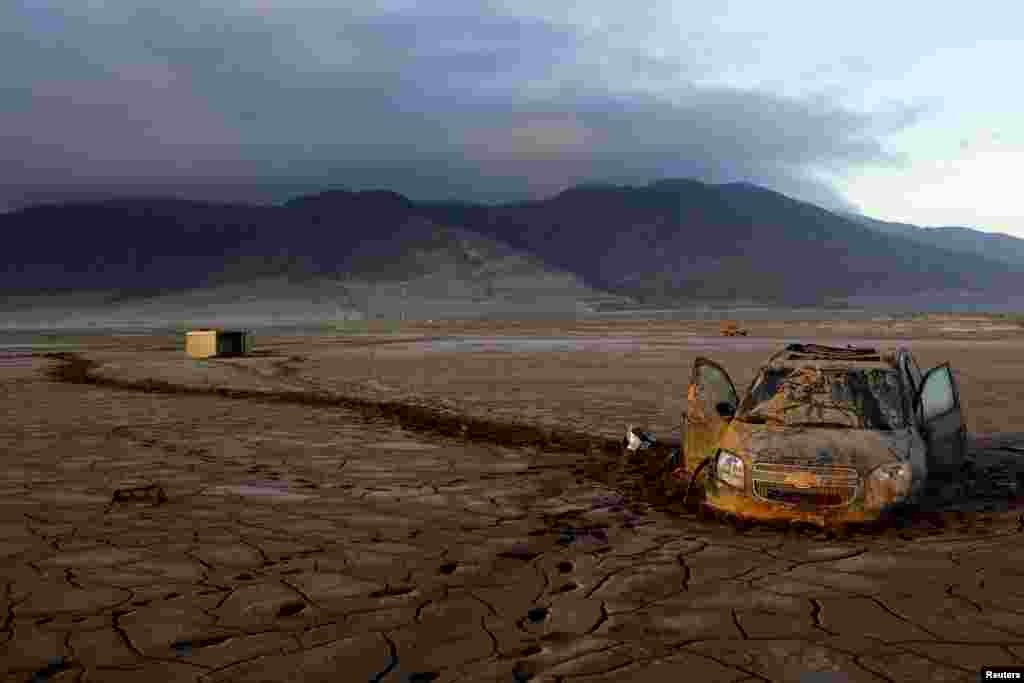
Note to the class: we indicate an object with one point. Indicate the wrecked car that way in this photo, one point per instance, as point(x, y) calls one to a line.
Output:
point(823, 435)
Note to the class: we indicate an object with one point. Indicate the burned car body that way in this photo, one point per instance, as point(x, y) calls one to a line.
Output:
point(823, 435)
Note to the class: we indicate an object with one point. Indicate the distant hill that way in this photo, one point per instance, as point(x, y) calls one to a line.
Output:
point(344, 252)
point(138, 246)
point(994, 245)
point(670, 241)
point(678, 240)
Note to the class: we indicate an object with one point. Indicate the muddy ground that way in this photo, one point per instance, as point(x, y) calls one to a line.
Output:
point(418, 507)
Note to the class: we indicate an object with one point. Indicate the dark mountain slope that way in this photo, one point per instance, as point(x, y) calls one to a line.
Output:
point(682, 239)
point(145, 248)
point(994, 245)
point(139, 245)
point(668, 241)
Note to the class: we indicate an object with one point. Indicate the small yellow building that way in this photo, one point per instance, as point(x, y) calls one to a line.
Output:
point(210, 343)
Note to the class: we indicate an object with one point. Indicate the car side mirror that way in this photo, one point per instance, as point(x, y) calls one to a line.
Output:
point(726, 410)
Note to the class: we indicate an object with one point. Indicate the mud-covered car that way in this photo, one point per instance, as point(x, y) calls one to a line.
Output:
point(823, 434)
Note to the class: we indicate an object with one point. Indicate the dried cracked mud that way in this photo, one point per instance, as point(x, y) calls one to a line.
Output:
point(159, 530)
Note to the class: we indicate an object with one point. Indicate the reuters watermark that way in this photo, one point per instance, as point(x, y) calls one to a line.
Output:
point(1002, 673)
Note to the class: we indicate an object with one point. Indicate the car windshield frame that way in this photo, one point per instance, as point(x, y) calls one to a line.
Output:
point(856, 398)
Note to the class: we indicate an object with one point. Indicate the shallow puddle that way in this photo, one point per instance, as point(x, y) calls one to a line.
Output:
point(688, 342)
point(405, 445)
point(277, 490)
point(519, 344)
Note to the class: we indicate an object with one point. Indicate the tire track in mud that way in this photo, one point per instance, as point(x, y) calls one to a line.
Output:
point(640, 479)
point(74, 369)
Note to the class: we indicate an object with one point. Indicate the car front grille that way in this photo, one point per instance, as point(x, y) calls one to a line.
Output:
point(802, 485)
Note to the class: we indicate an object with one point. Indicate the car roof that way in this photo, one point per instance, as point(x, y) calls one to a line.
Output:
point(821, 356)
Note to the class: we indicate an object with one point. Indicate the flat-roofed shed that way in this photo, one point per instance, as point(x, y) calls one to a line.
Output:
point(211, 343)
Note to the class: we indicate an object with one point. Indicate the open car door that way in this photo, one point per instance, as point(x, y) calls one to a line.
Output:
point(711, 403)
point(942, 420)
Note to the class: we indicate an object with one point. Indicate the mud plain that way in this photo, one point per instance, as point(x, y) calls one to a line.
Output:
point(310, 528)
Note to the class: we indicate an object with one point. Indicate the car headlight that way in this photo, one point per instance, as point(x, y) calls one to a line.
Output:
point(889, 483)
point(729, 468)
point(897, 472)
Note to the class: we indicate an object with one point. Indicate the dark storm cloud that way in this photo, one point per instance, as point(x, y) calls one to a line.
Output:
point(162, 97)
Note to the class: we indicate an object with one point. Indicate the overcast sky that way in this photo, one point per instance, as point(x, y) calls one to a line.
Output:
point(905, 111)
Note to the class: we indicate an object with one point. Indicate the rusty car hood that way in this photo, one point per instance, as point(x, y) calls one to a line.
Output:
point(862, 449)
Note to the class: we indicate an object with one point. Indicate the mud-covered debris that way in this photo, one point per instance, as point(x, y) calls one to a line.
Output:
point(674, 459)
point(153, 494)
point(638, 439)
point(732, 329)
point(996, 480)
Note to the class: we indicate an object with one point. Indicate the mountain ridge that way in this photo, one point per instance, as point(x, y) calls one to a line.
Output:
point(998, 246)
point(670, 241)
